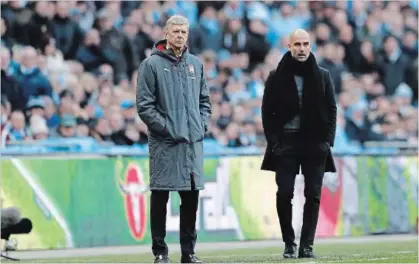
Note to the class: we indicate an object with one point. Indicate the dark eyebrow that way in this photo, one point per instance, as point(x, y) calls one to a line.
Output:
point(304, 43)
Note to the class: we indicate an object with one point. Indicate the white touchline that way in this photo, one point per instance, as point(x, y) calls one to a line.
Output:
point(377, 258)
point(41, 194)
point(280, 254)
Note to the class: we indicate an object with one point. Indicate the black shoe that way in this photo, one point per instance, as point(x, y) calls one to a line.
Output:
point(191, 258)
point(306, 252)
point(161, 259)
point(290, 251)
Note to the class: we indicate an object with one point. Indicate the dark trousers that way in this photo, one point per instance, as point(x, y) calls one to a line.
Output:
point(158, 212)
point(312, 159)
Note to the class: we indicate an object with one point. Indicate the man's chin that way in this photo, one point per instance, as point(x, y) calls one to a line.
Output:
point(301, 59)
point(179, 45)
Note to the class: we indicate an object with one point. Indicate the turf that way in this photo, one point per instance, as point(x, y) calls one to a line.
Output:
point(379, 252)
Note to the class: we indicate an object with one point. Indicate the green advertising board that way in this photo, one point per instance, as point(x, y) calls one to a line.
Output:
point(99, 202)
point(105, 201)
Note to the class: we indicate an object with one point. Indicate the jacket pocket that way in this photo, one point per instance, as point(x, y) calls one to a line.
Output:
point(165, 132)
point(196, 126)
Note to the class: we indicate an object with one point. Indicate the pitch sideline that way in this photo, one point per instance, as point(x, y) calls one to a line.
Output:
point(142, 249)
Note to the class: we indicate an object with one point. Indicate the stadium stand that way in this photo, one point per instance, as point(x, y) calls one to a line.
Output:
point(68, 70)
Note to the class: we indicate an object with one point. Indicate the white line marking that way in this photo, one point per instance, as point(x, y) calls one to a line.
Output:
point(41, 194)
point(377, 258)
point(280, 254)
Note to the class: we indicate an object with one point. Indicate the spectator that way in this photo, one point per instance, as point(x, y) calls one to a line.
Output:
point(410, 43)
point(235, 91)
point(233, 136)
point(39, 31)
point(28, 76)
point(129, 111)
point(38, 127)
point(234, 37)
point(368, 59)
point(5, 111)
point(82, 129)
point(335, 66)
point(67, 103)
point(393, 64)
point(35, 107)
point(124, 134)
point(83, 14)
point(412, 79)
point(257, 45)
point(357, 127)
point(10, 87)
point(101, 130)
point(66, 128)
point(17, 17)
point(210, 65)
point(352, 48)
point(140, 40)
point(323, 34)
point(6, 38)
point(284, 22)
point(91, 54)
point(118, 47)
point(17, 130)
point(54, 60)
point(225, 116)
point(5, 125)
point(371, 32)
point(345, 143)
point(66, 32)
point(90, 85)
point(248, 136)
point(116, 122)
point(51, 115)
point(208, 34)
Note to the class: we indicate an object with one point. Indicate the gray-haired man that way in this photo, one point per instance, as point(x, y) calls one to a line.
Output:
point(173, 101)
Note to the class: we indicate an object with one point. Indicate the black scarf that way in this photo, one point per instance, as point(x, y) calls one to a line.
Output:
point(283, 94)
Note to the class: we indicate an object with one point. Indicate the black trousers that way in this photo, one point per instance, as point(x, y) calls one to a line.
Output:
point(158, 213)
point(291, 155)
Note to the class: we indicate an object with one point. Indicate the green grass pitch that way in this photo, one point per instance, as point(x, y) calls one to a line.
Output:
point(372, 252)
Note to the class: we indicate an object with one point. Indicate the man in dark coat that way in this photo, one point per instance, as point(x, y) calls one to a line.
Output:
point(173, 101)
point(9, 86)
point(299, 119)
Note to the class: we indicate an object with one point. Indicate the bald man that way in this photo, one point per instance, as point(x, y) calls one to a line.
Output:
point(299, 120)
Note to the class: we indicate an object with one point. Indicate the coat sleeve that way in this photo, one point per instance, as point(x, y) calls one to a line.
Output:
point(331, 109)
point(146, 99)
point(204, 101)
point(267, 111)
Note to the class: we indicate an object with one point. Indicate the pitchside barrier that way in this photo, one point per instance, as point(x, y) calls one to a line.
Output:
point(102, 200)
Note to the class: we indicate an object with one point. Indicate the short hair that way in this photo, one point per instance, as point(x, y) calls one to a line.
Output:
point(176, 20)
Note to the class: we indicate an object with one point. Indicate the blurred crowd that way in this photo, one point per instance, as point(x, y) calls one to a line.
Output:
point(69, 68)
